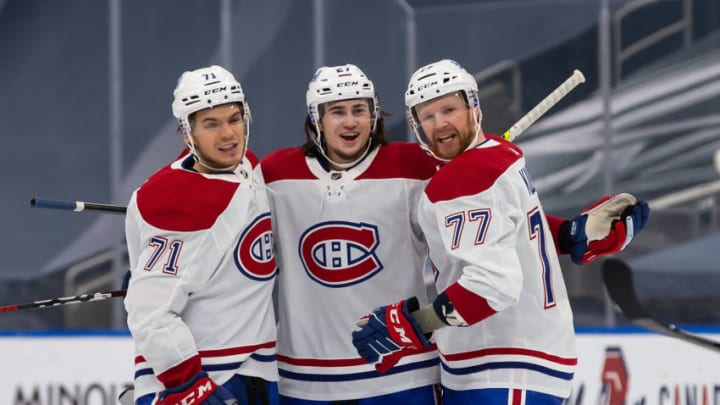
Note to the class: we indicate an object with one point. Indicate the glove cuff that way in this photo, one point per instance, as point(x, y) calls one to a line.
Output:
point(200, 387)
point(564, 238)
point(402, 326)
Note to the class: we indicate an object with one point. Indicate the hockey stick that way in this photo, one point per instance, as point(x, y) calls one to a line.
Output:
point(619, 283)
point(528, 119)
point(75, 299)
point(76, 206)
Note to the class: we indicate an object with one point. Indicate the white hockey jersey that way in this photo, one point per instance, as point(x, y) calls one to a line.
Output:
point(347, 242)
point(203, 270)
point(491, 246)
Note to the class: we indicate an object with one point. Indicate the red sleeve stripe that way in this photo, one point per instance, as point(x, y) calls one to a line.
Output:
point(472, 307)
point(180, 373)
point(226, 352)
point(510, 351)
point(236, 350)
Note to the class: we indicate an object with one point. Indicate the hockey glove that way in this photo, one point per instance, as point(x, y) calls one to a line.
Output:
point(200, 390)
point(604, 228)
point(391, 332)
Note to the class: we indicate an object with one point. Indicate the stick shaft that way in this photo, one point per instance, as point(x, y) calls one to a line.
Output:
point(76, 206)
point(618, 279)
point(75, 299)
point(541, 108)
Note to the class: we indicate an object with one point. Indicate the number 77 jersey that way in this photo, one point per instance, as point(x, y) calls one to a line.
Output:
point(494, 254)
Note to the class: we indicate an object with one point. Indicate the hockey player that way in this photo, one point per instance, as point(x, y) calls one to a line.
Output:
point(502, 322)
point(347, 238)
point(199, 238)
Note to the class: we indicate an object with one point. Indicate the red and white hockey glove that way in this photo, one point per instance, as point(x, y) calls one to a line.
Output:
point(200, 390)
point(604, 228)
point(390, 333)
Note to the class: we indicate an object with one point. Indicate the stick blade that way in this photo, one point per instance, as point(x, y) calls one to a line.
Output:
point(618, 280)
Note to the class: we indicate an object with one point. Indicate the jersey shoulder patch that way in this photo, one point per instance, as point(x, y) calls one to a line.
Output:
point(285, 164)
point(401, 160)
point(180, 200)
point(473, 171)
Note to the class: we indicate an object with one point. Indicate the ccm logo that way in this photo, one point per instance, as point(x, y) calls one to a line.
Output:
point(215, 90)
point(426, 85)
point(397, 326)
point(347, 84)
point(202, 390)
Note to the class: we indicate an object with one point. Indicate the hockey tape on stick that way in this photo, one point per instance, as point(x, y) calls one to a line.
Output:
point(126, 397)
point(539, 110)
point(77, 206)
point(618, 279)
point(75, 299)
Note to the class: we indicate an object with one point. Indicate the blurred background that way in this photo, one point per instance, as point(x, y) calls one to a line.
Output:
point(86, 87)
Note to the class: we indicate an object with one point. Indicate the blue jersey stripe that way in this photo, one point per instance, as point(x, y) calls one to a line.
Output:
point(507, 364)
point(357, 376)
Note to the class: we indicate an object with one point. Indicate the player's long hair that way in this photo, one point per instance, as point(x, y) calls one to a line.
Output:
point(310, 149)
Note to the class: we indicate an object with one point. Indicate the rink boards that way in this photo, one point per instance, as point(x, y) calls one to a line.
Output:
point(614, 366)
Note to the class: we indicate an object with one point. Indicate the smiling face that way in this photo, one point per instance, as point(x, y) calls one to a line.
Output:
point(219, 137)
point(448, 123)
point(346, 128)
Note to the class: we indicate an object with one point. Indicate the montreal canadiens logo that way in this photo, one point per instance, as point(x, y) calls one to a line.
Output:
point(339, 254)
point(254, 254)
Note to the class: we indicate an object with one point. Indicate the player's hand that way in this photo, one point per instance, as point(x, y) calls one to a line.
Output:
point(604, 228)
point(389, 333)
point(200, 390)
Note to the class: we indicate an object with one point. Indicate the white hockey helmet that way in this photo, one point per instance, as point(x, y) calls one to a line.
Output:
point(206, 88)
point(438, 79)
point(335, 83)
point(435, 80)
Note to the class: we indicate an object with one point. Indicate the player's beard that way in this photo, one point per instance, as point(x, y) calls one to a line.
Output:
point(469, 133)
point(465, 137)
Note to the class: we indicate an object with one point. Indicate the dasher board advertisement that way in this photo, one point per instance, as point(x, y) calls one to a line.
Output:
point(615, 367)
